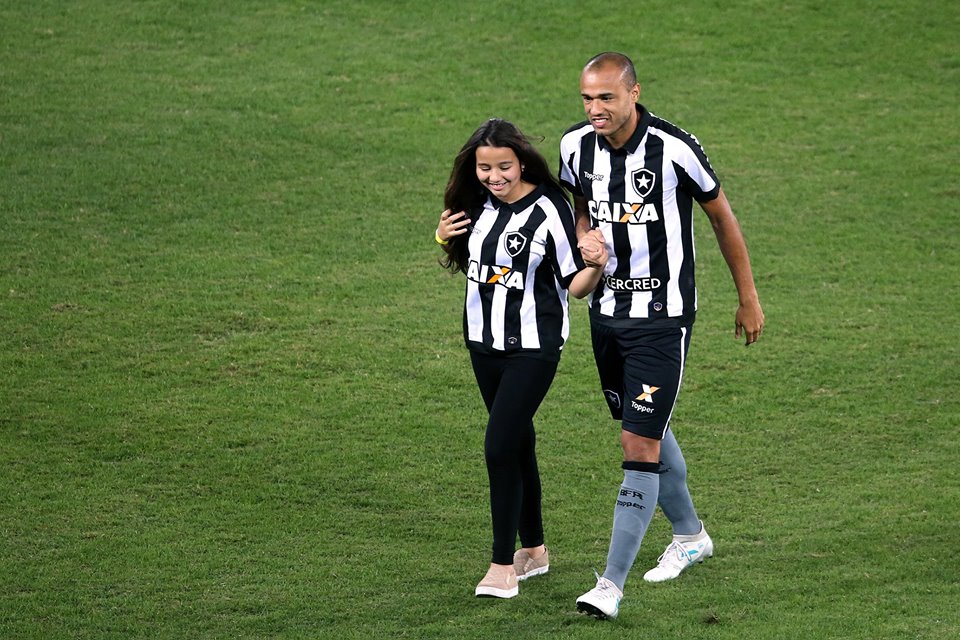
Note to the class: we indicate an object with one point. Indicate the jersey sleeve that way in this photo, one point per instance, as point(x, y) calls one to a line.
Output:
point(565, 255)
point(569, 163)
point(694, 172)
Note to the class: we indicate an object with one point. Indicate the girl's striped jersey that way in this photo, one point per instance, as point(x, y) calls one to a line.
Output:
point(641, 197)
point(522, 257)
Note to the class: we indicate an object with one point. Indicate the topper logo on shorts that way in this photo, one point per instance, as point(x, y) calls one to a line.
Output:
point(623, 212)
point(494, 274)
point(646, 396)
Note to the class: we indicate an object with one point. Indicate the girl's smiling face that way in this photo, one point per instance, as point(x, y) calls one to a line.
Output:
point(498, 169)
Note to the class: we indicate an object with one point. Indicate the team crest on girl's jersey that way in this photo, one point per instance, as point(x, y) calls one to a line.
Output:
point(514, 242)
point(494, 274)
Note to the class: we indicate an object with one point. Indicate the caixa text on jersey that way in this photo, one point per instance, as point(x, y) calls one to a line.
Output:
point(494, 274)
point(624, 212)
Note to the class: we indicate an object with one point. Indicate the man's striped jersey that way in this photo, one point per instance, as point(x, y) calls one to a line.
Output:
point(641, 197)
point(522, 257)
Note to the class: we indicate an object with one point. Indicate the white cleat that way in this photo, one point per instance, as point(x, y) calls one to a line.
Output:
point(678, 556)
point(601, 602)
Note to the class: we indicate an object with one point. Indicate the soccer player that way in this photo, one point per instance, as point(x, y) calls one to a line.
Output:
point(634, 178)
point(509, 228)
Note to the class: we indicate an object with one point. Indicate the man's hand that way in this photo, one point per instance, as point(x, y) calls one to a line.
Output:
point(593, 248)
point(749, 322)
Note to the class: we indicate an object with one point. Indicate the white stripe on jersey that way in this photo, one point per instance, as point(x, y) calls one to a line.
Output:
point(474, 321)
point(674, 233)
point(638, 240)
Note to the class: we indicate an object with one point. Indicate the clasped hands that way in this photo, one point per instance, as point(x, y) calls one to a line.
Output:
point(593, 248)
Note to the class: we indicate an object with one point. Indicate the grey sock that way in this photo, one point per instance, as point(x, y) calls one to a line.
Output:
point(631, 517)
point(674, 496)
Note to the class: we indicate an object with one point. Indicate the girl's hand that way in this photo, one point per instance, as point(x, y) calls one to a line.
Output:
point(593, 248)
point(452, 224)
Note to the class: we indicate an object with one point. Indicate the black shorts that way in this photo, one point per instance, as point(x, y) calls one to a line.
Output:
point(640, 374)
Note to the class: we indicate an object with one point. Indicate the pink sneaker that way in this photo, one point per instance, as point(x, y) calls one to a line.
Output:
point(527, 567)
point(500, 582)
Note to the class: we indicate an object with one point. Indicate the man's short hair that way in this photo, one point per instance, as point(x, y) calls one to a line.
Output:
point(628, 72)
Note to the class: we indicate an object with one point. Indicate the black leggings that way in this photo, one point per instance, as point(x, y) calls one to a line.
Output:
point(513, 388)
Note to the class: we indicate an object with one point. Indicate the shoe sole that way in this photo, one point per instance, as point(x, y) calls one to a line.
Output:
point(493, 592)
point(539, 571)
point(592, 610)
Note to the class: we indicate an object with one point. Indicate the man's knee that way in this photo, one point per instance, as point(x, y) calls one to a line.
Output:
point(639, 448)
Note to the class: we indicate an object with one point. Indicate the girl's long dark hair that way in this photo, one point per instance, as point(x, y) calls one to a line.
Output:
point(464, 191)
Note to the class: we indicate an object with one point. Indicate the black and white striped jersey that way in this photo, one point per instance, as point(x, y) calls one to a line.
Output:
point(522, 257)
point(641, 197)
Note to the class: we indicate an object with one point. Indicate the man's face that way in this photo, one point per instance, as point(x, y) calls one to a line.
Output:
point(609, 103)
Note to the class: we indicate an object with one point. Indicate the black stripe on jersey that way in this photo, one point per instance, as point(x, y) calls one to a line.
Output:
point(686, 278)
point(488, 255)
point(571, 187)
point(621, 232)
point(656, 231)
point(588, 148)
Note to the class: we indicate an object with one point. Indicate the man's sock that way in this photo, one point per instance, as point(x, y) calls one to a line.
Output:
point(631, 517)
point(693, 537)
point(674, 496)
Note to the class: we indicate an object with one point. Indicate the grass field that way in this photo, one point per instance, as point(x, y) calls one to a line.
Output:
point(234, 400)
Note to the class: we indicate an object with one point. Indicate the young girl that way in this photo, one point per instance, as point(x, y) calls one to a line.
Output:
point(510, 229)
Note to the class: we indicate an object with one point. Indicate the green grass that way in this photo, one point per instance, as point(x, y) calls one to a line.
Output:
point(234, 400)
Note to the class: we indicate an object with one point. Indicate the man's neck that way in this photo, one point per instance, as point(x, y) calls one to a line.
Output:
point(627, 132)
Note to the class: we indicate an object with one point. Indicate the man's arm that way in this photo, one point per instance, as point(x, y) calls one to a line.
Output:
point(582, 215)
point(585, 234)
point(749, 319)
